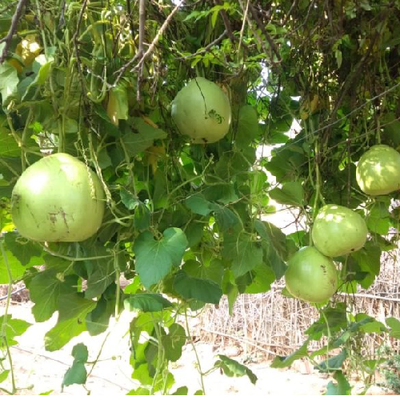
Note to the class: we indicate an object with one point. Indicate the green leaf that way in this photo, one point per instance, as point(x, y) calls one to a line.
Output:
point(101, 274)
point(4, 375)
point(333, 363)
point(97, 320)
point(249, 256)
point(143, 139)
point(283, 362)
point(8, 82)
point(232, 368)
point(23, 249)
point(73, 309)
point(45, 289)
point(273, 243)
point(77, 373)
point(142, 217)
point(140, 391)
point(261, 281)
point(248, 127)
point(223, 193)
point(378, 220)
point(155, 258)
point(16, 268)
point(8, 145)
point(292, 193)
point(341, 388)
point(225, 218)
point(146, 302)
point(394, 325)
point(129, 200)
point(198, 204)
point(11, 327)
point(369, 260)
point(203, 290)
point(173, 342)
point(80, 352)
point(181, 391)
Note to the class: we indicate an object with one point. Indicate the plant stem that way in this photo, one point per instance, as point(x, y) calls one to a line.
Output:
point(3, 327)
point(203, 388)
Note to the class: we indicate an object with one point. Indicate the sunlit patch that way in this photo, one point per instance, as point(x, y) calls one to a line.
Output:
point(38, 183)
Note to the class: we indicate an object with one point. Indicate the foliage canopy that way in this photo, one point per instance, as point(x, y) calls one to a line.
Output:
point(184, 221)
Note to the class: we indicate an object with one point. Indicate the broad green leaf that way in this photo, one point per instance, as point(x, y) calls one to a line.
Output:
point(140, 391)
point(283, 362)
point(248, 127)
point(262, 280)
point(274, 246)
point(8, 82)
point(11, 327)
point(203, 290)
point(8, 261)
point(226, 218)
point(146, 302)
point(181, 391)
point(223, 193)
point(129, 200)
point(214, 271)
point(342, 387)
point(8, 145)
point(80, 352)
point(336, 319)
point(367, 324)
point(101, 274)
point(198, 204)
point(97, 320)
point(155, 258)
point(174, 342)
point(4, 375)
point(333, 363)
point(71, 321)
point(45, 289)
point(142, 217)
point(22, 249)
point(143, 139)
point(378, 219)
point(232, 368)
point(291, 193)
point(394, 325)
point(249, 256)
point(77, 373)
point(369, 261)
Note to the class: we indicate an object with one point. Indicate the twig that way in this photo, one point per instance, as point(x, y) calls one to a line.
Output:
point(273, 45)
point(153, 44)
point(128, 9)
point(208, 47)
point(7, 39)
point(243, 25)
point(227, 24)
point(294, 4)
point(142, 21)
point(13, 293)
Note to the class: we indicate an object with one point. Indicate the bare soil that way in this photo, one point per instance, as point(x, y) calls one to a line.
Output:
point(38, 371)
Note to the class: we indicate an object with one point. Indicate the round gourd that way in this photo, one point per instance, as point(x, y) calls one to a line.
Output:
point(337, 231)
point(311, 276)
point(57, 199)
point(202, 111)
point(378, 171)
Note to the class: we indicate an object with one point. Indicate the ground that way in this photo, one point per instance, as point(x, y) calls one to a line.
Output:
point(39, 371)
